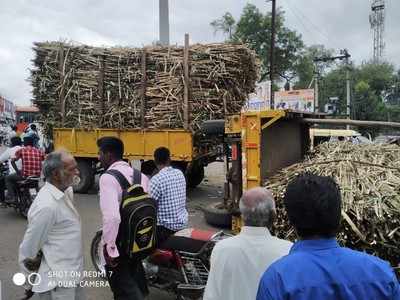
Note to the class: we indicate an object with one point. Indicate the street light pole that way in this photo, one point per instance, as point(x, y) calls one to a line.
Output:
point(271, 58)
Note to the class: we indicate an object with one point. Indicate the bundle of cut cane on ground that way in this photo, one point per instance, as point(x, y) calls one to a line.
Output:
point(369, 179)
point(87, 87)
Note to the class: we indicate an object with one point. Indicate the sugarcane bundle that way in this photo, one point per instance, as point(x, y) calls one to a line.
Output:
point(369, 179)
point(88, 87)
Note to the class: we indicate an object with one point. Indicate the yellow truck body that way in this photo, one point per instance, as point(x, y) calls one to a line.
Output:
point(139, 144)
point(271, 140)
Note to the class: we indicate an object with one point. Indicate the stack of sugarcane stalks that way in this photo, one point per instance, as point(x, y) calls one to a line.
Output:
point(369, 179)
point(89, 87)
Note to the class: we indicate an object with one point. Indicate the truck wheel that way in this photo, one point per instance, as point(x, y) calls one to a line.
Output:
point(216, 215)
point(195, 176)
point(86, 175)
point(213, 127)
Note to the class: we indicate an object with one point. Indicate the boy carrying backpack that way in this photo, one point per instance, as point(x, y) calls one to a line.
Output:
point(129, 221)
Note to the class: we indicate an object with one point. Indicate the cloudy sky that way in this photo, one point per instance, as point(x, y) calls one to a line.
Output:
point(336, 24)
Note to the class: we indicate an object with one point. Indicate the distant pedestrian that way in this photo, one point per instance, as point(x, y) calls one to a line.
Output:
point(33, 133)
point(21, 126)
point(237, 263)
point(31, 158)
point(12, 132)
point(317, 267)
point(6, 156)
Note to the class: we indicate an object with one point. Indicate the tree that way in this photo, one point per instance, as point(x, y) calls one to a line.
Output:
point(305, 66)
point(379, 77)
point(367, 105)
point(254, 29)
point(225, 24)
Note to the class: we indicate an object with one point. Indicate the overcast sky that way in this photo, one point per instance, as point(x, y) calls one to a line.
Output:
point(336, 24)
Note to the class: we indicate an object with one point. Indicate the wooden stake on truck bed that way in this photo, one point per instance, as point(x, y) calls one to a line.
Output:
point(101, 87)
point(186, 83)
point(143, 91)
point(62, 78)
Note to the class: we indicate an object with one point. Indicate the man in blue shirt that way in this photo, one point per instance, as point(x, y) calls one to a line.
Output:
point(316, 266)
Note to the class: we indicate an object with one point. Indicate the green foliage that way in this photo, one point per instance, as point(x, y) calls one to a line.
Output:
point(225, 24)
point(372, 86)
point(375, 88)
point(305, 67)
point(254, 29)
point(378, 76)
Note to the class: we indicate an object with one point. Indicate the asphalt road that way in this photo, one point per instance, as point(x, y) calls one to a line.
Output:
point(12, 228)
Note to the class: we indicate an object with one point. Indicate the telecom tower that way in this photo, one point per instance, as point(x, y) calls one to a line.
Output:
point(377, 21)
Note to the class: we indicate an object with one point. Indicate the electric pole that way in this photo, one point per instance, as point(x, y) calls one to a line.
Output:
point(164, 22)
point(316, 91)
point(347, 85)
point(271, 58)
point(344, 54)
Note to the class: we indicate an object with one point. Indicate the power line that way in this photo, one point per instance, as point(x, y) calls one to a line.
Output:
point(309, 21)
point(301, 16)
point(299, 19)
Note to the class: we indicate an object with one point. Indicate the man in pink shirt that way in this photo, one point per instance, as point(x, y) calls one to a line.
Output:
point(126, 277)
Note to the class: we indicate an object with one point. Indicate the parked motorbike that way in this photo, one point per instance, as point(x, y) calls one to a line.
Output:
point(181, 265)
point(25, 192)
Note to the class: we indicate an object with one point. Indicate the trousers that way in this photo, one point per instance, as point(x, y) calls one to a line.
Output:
point(127, 280)
point(60, 293)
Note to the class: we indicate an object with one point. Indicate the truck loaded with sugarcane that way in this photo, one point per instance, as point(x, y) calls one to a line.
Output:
point(149, 97)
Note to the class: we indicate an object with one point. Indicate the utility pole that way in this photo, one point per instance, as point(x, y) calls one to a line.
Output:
point(271, 58)
point(347, 85)
point(316, 93)
point(344, 54)
point(164, 22)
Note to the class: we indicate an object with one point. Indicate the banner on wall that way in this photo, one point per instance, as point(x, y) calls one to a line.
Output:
point(300, 100)
point(260, 99)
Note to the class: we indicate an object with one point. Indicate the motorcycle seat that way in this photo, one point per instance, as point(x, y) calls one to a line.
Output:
point(184, 244)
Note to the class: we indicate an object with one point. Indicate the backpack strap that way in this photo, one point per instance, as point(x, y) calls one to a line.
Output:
point(137, 177)
point(123, 182)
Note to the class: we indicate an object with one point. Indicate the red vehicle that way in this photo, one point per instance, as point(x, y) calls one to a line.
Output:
point(180, 266)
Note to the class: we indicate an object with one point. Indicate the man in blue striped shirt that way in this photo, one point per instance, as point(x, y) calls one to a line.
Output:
point(168, 189)
point(317, 267)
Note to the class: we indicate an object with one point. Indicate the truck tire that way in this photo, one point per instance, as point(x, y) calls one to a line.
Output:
point(86, 175)
point(218, 216)
point(213, 127)
point(195, 176)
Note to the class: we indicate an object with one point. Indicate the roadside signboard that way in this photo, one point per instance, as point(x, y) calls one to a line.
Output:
point(260, 99)
point(299, 100)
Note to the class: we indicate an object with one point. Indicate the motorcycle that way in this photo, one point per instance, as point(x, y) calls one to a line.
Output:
point(181, 265)
point(25, 192)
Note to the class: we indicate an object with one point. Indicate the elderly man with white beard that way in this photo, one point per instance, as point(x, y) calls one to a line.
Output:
point(54, 230)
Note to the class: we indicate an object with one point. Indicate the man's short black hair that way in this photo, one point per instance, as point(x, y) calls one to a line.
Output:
point(313, 204)
point(111, 144)
point(161, 156)
point(15, 141)
point(28, 141)
point(33, 126)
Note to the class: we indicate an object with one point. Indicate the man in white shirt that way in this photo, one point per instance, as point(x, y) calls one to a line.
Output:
point(6, 156)
point(54, 228)
point(238, 263)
